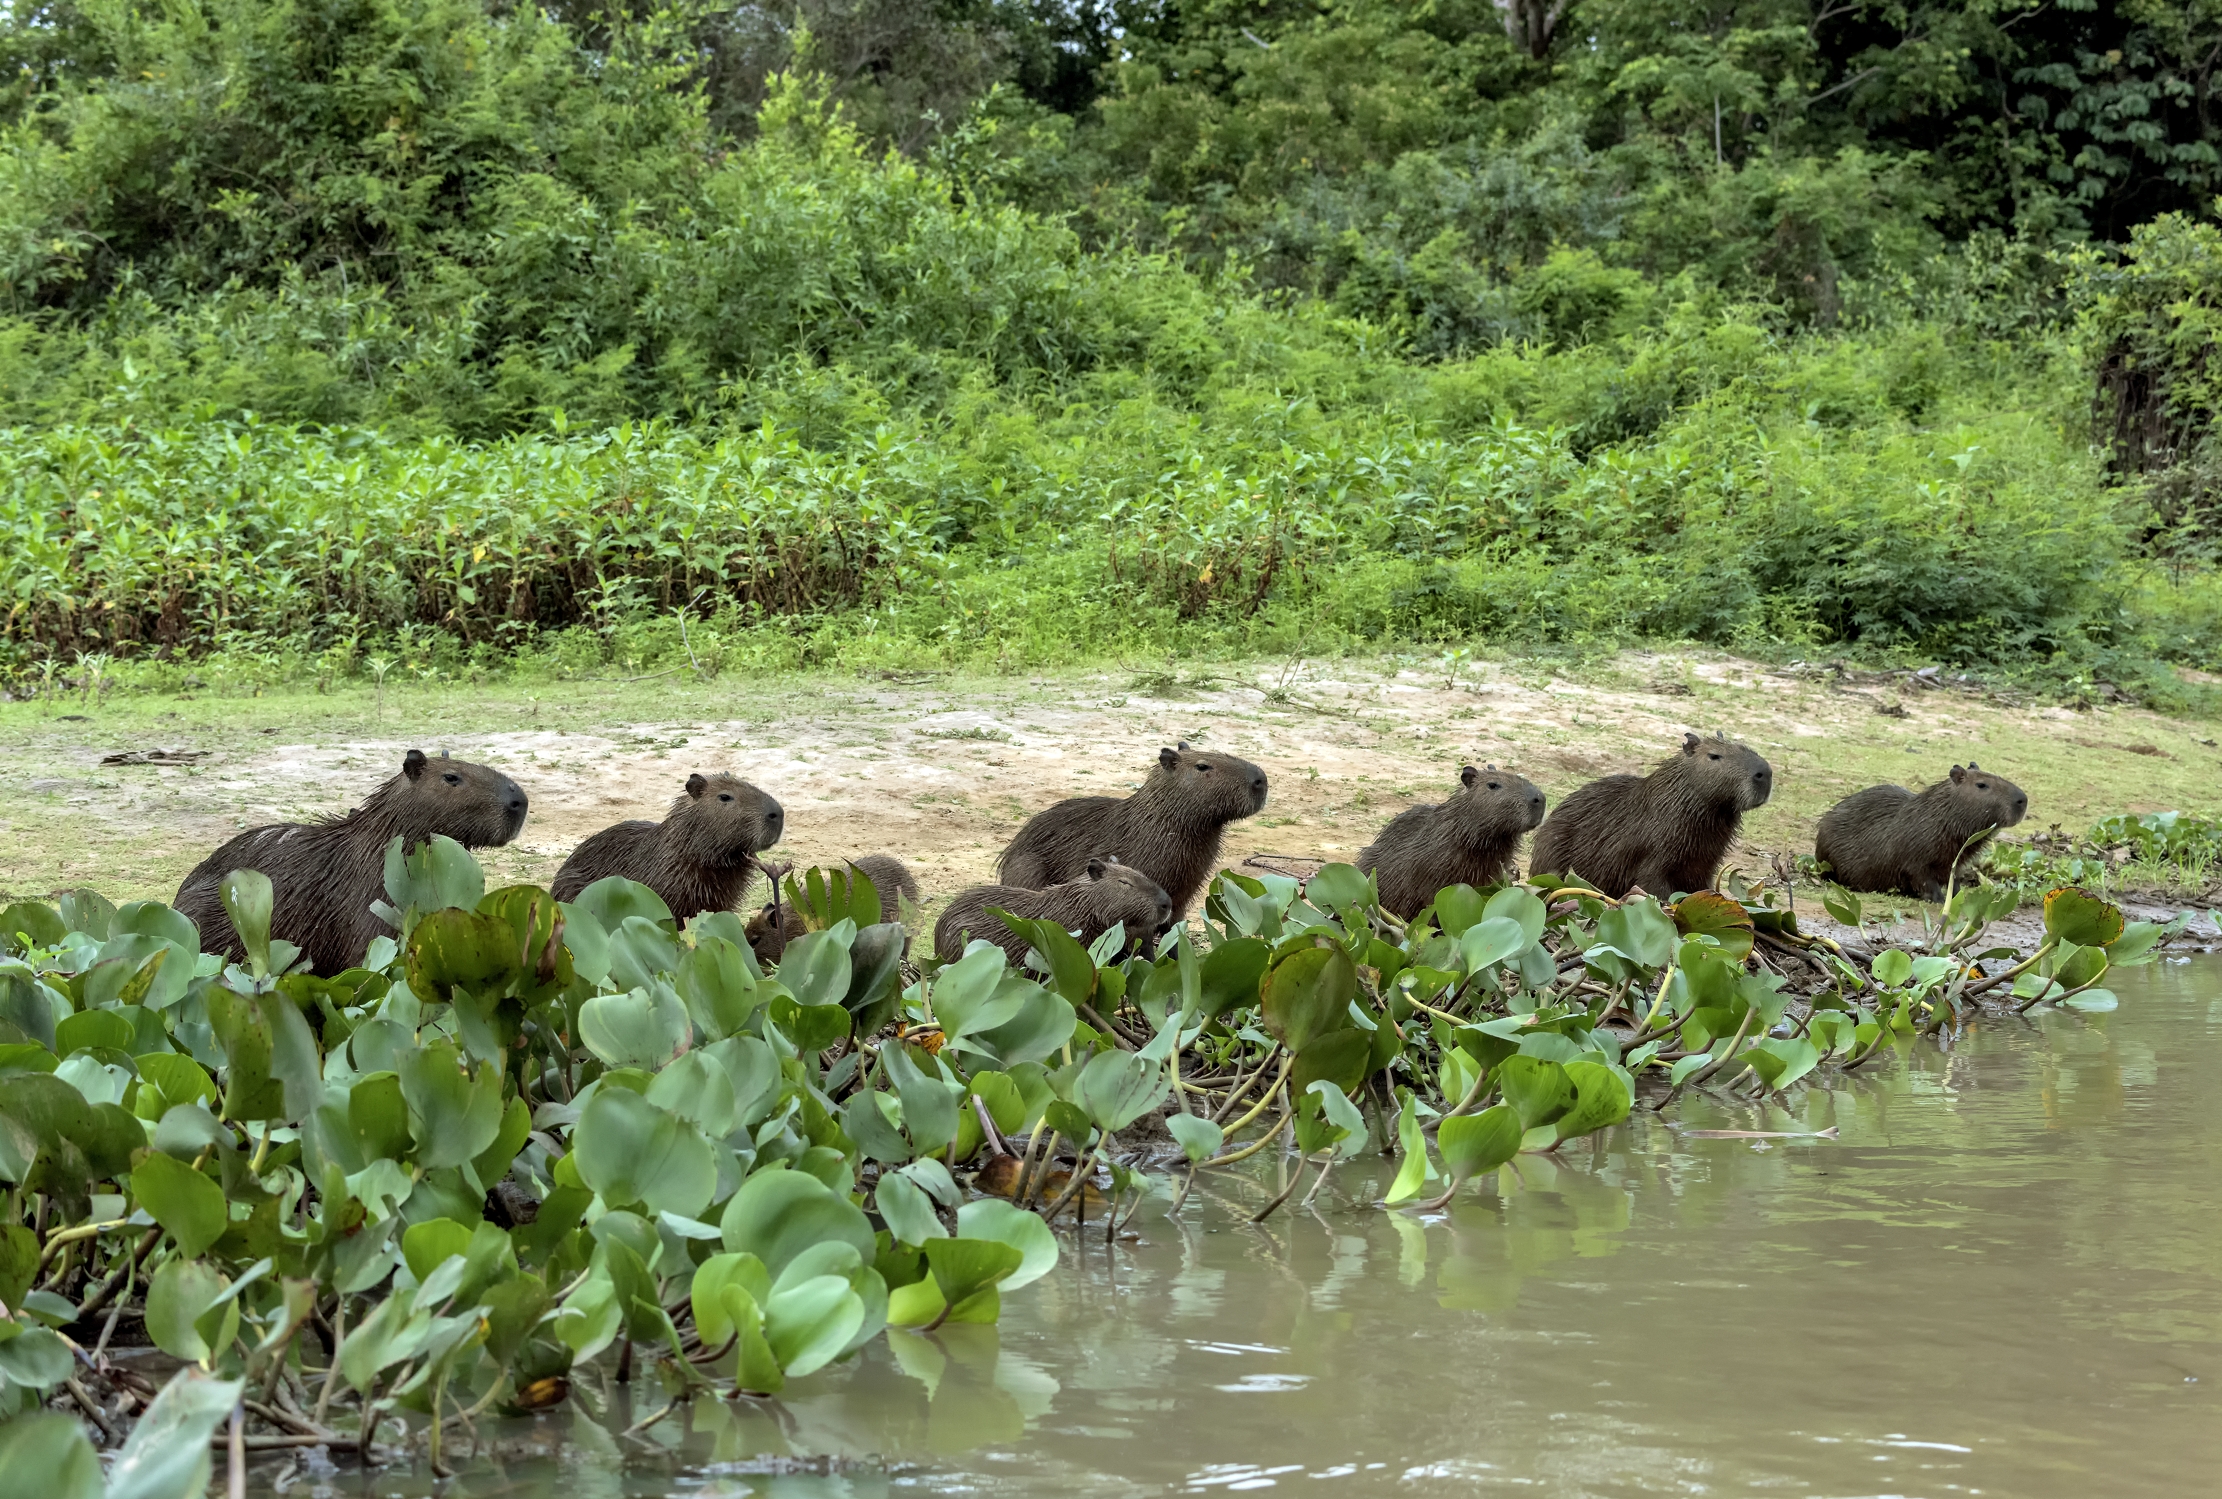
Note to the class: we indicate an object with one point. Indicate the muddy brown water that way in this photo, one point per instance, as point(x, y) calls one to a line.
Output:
point(2004, 1277)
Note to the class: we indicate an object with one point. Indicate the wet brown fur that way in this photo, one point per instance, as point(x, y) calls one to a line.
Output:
point(324, 875)
point(1470, 839)
point(1109, 893)
point(1666, 831)
point(1889, 839)
point(1170, 829)
point(701, 857)
point(889, 876)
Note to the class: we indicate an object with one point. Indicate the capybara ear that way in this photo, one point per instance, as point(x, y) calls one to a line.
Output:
point(1467, 775)
point(412, 764)
point(1183, 746)
point(1971, 765)
point(1959, 772)
point(1095, 869)
point(1169, 758)
point(696, 785)
point(1690, 742)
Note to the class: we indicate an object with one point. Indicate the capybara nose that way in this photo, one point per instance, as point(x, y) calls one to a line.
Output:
point(1257, 787)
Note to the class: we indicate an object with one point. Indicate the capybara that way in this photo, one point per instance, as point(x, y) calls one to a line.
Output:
point(1664, 832)
point(1468, 840)
point(1886, 838)
point(325, 875)
point(1169, 830)
point(1108, 894)
point(889, 876)
point(699, 858)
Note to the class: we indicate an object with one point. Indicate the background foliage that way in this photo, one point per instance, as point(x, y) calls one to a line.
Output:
point(996, 328)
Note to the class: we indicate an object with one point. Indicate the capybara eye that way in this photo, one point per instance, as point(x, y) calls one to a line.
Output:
point(1201, 765)
point(1496, 785)
point(725, 796)
point(452, 779)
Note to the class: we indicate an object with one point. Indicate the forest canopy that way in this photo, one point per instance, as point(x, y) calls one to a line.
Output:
point(1046, 267)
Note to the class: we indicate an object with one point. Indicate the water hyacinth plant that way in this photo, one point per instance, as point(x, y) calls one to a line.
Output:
point(365, 1209)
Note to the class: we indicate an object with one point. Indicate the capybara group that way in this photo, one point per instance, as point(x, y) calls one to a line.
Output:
point(324, 875)
point(889, 876)
point(1109, 893)
point(699, 858)
point(1889, 839)
point(1664, 832)
point(1469, 839)
point(1170, 829)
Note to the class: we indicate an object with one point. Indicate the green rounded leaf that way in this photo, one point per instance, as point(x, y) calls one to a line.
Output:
point(1199, 1139)
point(2082, 918)
point(1309, 992)
point(47, 1456)
point(188, 1205)
point(777, 1214)
point(808, 1325)
point(993, 1218)
point(1491, 941)
point(629, 1150)
point(1471, 1144)
point(179, 1293)
point(742, 1274)
point(453, 1114)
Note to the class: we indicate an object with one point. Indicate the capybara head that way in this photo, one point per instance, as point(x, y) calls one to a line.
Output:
point(1212, 789)
point(722, 822)
point(476, 805)
point(1991, 799)
point(1497, 800)
point(1137, 886)
point(1733, 771)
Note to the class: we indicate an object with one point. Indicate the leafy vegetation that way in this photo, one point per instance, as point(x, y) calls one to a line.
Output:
point(524, 1133)
point(423, 329)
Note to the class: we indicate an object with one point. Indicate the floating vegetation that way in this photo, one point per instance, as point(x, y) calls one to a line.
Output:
point(364, 1209)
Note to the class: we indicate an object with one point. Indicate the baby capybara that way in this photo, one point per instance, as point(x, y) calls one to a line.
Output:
point(1888, 839)
point(1664, 832)
point(699, 858)
point(1468, 840)
point(1106, 895)
point(889, 876)
point(324, 875)
point(1169, 830)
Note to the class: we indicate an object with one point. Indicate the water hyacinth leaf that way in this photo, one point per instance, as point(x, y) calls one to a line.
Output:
point(969, 995)
point(815, 967)
point(875, 975)
point(1517, 903)
point(30, 923)
point(1638, 930)
point(1602, 1098)
point(992, 1218)
point(755, 1367)
point(588, 1322)
point(808, 1325)
point(273, 1069)
point(437, 874)
point(36, 1357)
point(1892, 967)
point(1458, 907)
point(1342, 1058)
point(428, 1245)
point(1490, 941)
point(1686, 1067)
point(188, 1205)
point(177, 1296)
point(2073, 967)
point(453, 1114)
point(1230, 974)
point(718, 986)
point(640, 950)
point(1043, 1024)
point(699, 1090)
point(48, 1456)
point(777, 1214)
point(644, 1027)
point(1711, 914)
point(1199, 1139)
point(908, 1212)
point(1779, 1061)
point(2091, 1001)
point(167, 1454)
point(1072, 973)
point(1337, 887)
point(1538, 1090)
point(246, 897)
point(629, 1150)
point(90, 1029)
point(867, 1119)
point(1309, 993)
point(2139, 942)
point(1472, 1144)
point(1117, 1088)
point(963, 1268)
point(713, 1311)
point(1346, 1127)
point(929, 1100)
point(1416, 1170)
point(457, 947)
point(1006, 1105)
point(1841, 905)
point(2080, 917)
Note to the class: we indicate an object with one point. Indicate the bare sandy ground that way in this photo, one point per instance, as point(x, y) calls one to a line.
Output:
point(942, 770)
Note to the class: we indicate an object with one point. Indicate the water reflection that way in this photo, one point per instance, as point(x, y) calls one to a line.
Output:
point(1999, 1277)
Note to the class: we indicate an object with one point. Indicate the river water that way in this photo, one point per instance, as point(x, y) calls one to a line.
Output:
point(2003, 1276)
